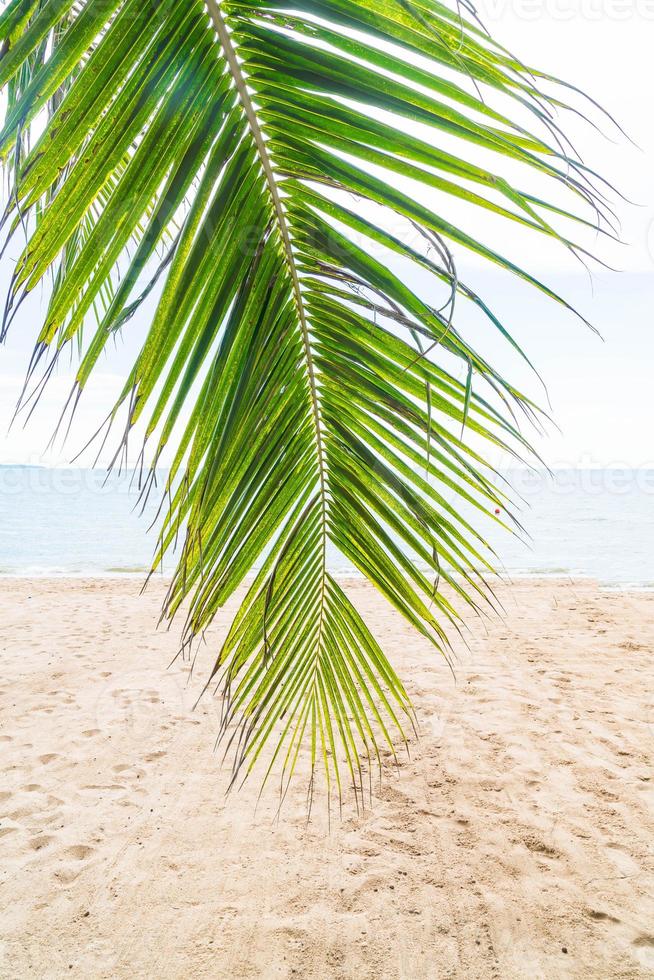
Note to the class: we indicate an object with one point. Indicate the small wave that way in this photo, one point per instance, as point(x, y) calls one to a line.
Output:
point(76, 573)
point(127, 570)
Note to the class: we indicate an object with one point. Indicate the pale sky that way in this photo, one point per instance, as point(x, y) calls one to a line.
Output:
point(600, 391)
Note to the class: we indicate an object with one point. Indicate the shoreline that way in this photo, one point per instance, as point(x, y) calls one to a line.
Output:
point(505, 582)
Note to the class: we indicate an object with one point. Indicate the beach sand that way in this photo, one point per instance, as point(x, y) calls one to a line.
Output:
point(516, 841)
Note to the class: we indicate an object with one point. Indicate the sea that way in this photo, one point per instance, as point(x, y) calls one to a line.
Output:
point(594, 523)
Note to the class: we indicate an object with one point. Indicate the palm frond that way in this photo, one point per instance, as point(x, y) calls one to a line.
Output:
point(270, 183)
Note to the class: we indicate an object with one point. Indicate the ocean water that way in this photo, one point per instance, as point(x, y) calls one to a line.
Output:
point(592, 523)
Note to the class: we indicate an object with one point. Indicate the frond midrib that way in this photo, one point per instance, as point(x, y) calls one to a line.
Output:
point(238, 77)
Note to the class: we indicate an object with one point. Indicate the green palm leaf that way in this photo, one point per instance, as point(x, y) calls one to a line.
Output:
point(269, 182)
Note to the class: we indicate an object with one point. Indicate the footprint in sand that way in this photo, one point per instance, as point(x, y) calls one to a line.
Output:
point(65, 876)
point(91, 732)
point(104, 787)
point(599, 916)
point(48, 757)
point(644, 947)
point(80, 852)
point(540, 847)
point(21, 813)
point(38, 843)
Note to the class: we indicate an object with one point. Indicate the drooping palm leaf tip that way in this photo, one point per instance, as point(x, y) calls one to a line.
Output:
point(267, 181)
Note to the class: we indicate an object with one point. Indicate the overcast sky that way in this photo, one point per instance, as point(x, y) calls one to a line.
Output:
point(600, 391)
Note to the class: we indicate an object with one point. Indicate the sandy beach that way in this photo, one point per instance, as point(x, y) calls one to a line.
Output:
point(516, 841)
